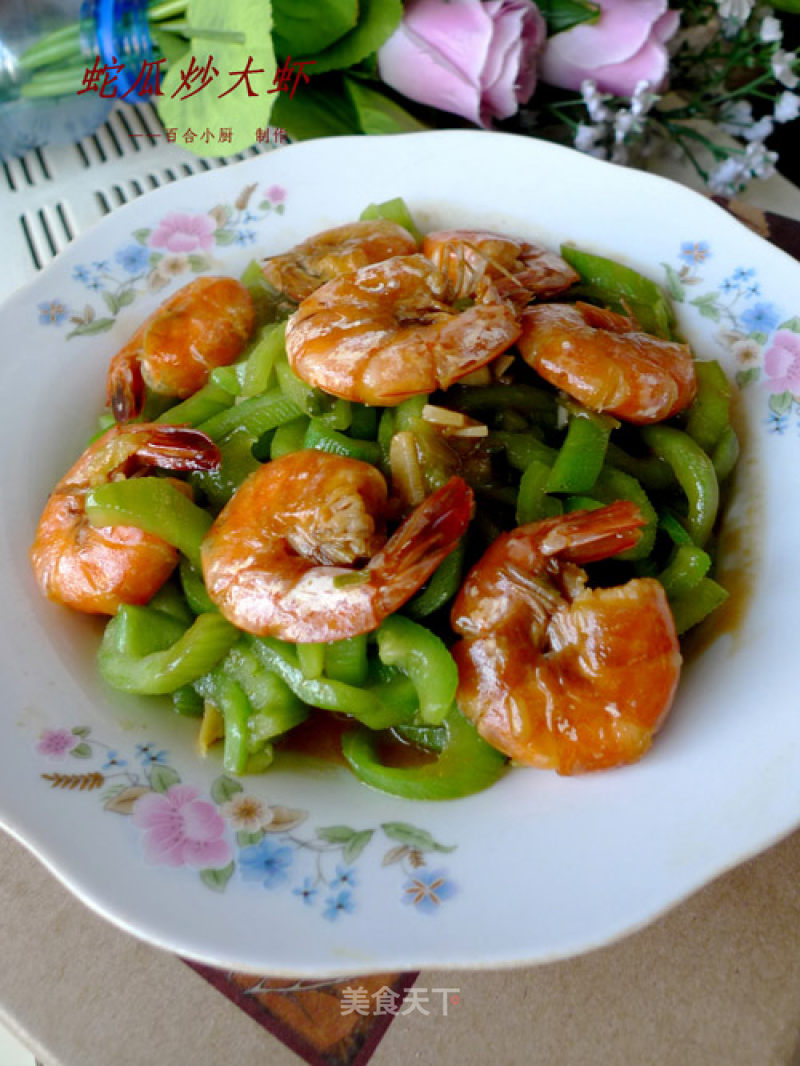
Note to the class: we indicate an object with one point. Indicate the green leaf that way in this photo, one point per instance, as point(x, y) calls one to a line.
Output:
point(81, 730)
point(141, 235)
point(758, 336)
point(744, 377)
point(305, 27)
point(336, 834)
point(99, 325)
point(377, 21)
point(126, 297)
point(217, 879)
point(246, 840)
point(792, 324)
point(779, 402)
point(675, 286)
point(81, 751)
point(224, 236)
point(323, 109)
point(377, 113)
point(163, 777)
point(237, 111)
point(416, 838)
point(224, 788)
point(708, 305)
point(111, 302)
point(171, 45)
point(356, 845)
point(197, 263)
point(563, 14)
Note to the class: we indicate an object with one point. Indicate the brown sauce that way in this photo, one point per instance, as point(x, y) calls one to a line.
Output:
point(319, 738)
point(398, 753)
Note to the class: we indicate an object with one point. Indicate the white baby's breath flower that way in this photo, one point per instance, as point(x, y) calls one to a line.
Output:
point(783, 64)
point(760, 161)
point(787, 107)
point(625, 123)
point(586, 137)
point(735, 116)
point(595, 102)
point(771, 31)
point(738, 10)
point(760, 130)
point(725, 179)
point(642, 100)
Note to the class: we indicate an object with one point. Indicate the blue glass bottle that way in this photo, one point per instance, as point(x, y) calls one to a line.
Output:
point(66, 38)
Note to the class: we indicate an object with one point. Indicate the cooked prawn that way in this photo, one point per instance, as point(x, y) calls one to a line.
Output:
point(554, 674)
point(206, 324)
point(279, 560)
point(602, 359)
point(396, 329)
point(300, 271)
point(519, 270)
point(96, 569)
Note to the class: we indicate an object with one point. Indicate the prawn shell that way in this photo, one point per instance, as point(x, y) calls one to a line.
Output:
point(600, 359)
point(279, 558)
point(119, 564)
point(206, 324)
point(519, 269)
point(385, 333)
point(595, 700)
point(341, 250)
point(95, 569)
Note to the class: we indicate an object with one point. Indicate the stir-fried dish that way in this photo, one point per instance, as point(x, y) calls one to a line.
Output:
point(458, 492)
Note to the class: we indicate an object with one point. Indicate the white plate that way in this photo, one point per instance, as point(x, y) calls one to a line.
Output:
point(538, 867)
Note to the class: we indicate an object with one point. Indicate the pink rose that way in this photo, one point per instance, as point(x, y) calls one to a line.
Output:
point(178, 232)
point(276, 193)
point(470, 58)
point(782, 363)
point(181, 829)
point(55, 743)
point(625, 46)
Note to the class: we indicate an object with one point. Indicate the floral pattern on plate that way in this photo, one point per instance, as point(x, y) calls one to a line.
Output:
point(233, 831)
point(761, 337)
point(180, 242)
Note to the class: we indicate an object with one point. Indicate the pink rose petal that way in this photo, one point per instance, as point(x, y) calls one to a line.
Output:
point(474, 59)
point(460, 31)
point(625, 46)
point(437, 82)
point(621, 30)
point(650, 64)
point(666, 27)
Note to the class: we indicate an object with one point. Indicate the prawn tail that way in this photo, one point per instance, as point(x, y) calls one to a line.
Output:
point(588, 536)
point(125, 386)
point(415, 550)
point(176, 447)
